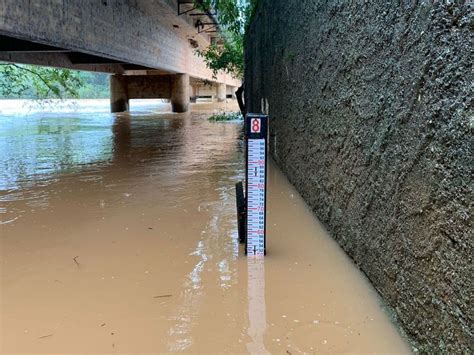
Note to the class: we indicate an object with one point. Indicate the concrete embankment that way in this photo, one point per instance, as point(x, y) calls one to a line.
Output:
point(371, 120)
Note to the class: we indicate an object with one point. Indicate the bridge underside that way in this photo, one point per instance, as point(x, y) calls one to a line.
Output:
point(27, 52)
point(149, 50)
point(129, 81)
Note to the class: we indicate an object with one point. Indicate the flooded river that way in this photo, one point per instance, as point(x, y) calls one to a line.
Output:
point(118, 234)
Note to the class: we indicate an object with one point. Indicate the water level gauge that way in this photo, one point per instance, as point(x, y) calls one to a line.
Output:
point(256, 183)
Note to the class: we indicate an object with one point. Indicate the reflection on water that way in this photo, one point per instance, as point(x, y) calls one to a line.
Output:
point(256, 305)
point(35, 144)
point(38, 146)
point(118, 234)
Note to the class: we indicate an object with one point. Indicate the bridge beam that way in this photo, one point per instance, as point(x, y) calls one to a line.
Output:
point(110, 36)
point(126, 87)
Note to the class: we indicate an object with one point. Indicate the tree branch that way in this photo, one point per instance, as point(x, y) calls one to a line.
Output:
point(50, 89)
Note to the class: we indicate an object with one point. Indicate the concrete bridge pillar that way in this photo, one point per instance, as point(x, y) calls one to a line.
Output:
point(118, 93)
point(180, 93)
point(233, 89)
point(193, 92)
point(221, 92)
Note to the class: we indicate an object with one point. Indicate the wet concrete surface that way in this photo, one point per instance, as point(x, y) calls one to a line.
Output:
point(118, 234)
point(372, 122)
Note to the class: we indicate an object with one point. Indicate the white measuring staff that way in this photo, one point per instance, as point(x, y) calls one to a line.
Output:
point(256, 184)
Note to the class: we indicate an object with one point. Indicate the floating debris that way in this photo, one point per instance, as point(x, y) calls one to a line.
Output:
point(75, 260)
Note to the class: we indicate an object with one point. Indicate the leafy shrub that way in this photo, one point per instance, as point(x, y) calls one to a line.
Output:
point(226, 116)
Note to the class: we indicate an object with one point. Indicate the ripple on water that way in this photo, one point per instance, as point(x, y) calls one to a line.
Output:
point(321, 336)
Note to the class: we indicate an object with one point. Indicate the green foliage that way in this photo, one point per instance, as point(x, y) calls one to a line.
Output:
point(35, 82)
point(226, 116)
point(234, 18)
point(18, 80)
point(96, 85)
point(227, 57)
point(233, 15)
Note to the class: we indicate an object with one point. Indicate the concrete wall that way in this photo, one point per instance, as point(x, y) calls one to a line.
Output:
point(149, 86)
point(371, 119)
point(142, 32)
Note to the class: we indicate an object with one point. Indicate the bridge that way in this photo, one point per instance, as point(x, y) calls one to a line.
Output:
point(149, 46)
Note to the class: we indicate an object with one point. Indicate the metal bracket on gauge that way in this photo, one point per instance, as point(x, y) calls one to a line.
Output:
point(256, 132)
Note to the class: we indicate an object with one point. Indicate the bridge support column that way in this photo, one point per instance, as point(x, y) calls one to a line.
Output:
point(118, 93)
point(180, 93)
point(233, 89)
point(221, 92)
point(193, 92)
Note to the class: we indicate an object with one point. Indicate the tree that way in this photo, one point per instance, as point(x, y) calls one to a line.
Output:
point(18, 80)
point(234, 17)
point(226, 56)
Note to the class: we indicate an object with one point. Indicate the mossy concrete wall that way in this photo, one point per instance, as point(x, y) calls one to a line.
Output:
point(371, 118)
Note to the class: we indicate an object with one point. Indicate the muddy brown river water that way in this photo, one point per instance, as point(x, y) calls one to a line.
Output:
point(118, 234)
